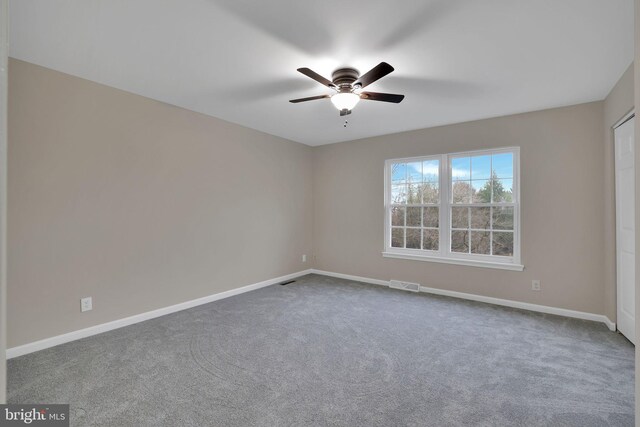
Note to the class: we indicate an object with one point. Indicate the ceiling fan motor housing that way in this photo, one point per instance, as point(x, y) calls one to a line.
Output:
point(344, 77)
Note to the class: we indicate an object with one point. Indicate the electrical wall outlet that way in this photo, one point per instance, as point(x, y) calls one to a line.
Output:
point(304, 258)
point(535, 285)
point(86, 304)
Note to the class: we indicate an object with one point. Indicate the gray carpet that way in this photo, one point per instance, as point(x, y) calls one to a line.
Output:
point(325, 351)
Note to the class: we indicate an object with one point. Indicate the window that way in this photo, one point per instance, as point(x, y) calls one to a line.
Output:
point(460, 208)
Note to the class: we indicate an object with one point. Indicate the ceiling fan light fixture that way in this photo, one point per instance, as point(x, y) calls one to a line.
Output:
point(345, 100)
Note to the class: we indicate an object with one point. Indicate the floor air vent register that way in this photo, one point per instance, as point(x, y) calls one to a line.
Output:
point(286, 283)
point(404, 286)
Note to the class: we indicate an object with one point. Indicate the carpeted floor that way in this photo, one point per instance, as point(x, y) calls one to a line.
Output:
point(324, 351)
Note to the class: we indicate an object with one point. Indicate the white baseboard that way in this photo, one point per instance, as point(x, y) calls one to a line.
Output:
point(524, 306)
point(350, 277)
point(489, 300)
point(104, 327)
point(610, 324)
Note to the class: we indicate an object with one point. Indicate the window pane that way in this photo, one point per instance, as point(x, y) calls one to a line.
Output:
point(481, 167)
point(502, 190)
point(461, 191)
point(503, 218)
point(397, 237)
point(430, 170)
point(413, 238)
point(481, 191)
point(398, 173)
point(502, 243)
point(399, 194)
point(397, 215)
point(414, 217)
point(414, 172)
point(430, 240)
point(459, 217)
point(414, 194)
point(503, 165)
point(461, 169)
point(430, 193)
point(481, 218)
point(431, 217)
point(480, 242)
point(460, 241)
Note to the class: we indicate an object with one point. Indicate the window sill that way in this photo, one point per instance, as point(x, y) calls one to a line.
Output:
point(456, 261)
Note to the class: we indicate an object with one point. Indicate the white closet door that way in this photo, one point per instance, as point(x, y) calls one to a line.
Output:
point(625, 227)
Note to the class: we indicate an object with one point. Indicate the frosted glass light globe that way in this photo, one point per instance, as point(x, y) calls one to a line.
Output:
point(345, 100)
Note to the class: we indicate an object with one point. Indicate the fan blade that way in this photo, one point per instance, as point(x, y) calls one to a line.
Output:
point(385, 97)
point(317, 77)
point(377, 72)
point(311, 98)
point(344, 112)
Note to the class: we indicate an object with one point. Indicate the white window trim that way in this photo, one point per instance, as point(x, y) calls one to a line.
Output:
point(444, 255)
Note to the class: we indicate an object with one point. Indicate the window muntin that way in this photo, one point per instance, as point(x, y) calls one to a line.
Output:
point(456, 206)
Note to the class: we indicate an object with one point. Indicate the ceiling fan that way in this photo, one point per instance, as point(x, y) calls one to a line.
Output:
point(347, 82)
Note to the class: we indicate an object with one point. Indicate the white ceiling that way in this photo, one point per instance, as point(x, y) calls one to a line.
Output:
point(455, 60)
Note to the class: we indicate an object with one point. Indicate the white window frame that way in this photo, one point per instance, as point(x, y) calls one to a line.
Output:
point(444, 254)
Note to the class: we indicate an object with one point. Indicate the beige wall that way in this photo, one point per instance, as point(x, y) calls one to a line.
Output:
point(139, 204)
point(4, 37)
point(562, 206)
point(617, 104)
